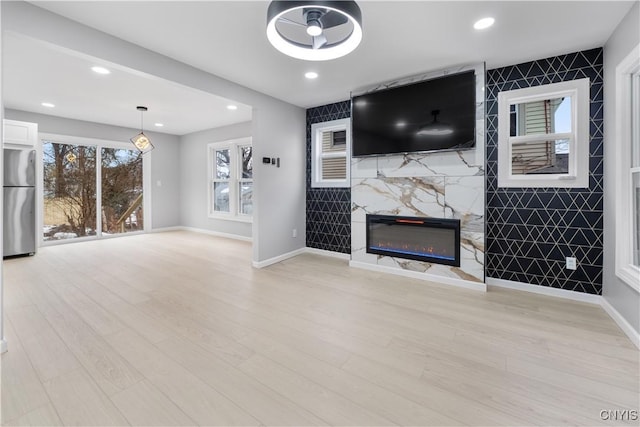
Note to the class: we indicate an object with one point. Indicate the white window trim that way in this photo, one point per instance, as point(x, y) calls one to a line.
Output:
point(235, 178)
point(317, 130)
point(100, 143)
point(625, 270)
point(578, 176)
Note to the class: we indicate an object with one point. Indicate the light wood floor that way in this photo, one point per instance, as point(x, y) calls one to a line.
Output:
point(178, 329)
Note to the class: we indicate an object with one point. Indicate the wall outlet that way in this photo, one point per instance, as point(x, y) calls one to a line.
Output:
point(294, 233)
point(572, 264)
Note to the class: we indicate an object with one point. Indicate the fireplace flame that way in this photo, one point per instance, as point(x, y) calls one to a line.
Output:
point(427, 250)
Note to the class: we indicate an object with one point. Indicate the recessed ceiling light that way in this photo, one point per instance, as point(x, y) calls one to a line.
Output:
point(232, 107)
point(401, 124)
point(100, 70)
point(159, 125)
point(484, 23)
point(48, 104)
point(311, 75)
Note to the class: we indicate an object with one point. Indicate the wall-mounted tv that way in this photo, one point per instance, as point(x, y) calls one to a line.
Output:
point(430, 115)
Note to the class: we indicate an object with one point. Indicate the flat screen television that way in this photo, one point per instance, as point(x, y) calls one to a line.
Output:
point(431, 115)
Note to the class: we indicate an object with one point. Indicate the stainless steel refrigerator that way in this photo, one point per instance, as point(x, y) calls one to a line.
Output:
point(19, 205)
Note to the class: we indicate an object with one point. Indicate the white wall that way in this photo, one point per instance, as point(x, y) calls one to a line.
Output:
point(164, 158)
point(278, 128)
point(281, 203)
point(624, 299)
point(194, 179)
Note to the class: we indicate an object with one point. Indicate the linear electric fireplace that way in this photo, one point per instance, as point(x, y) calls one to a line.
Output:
point(422, 239)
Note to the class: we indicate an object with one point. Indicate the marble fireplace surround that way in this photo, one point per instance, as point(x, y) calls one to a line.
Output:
point(448, 184)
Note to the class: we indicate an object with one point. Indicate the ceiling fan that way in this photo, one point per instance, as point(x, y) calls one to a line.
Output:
point(316, 21)
point(331, 28)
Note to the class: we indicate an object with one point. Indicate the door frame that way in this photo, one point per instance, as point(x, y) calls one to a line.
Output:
point(99, 143)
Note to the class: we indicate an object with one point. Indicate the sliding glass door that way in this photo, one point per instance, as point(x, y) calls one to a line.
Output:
point(90, 191)
point(122, 209)
point(69, 187)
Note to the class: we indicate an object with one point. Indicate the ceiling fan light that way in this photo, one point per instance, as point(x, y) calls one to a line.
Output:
point(314, 28)
point(348, 9)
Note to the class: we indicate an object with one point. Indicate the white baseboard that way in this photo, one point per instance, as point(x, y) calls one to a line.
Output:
point(209, 232)
point(330, 254)
point(622, 323)
point(626, 327)
point(544, 290)
point(3, 346)
point(476, 286)
point(277, 259)
point(165, 229)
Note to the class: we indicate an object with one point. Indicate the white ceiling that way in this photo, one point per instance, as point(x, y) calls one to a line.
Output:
point(227, 38)
point(36, 72)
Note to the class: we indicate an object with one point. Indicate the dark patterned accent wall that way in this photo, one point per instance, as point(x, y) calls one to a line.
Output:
point(530, 231)
point(328, 209)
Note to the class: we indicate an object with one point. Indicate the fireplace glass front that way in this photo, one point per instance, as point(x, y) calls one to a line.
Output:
point(423, 239)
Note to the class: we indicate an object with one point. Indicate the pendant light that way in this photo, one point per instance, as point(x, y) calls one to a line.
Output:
point(71, 158)
point(141, 141)
point(314, 30)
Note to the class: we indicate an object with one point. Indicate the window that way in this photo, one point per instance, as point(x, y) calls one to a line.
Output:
point(330, 152)
point(628, 169)
point(70, 191)
point(633, 172)
point(91, 189)
point(231, 179)
point(543, 136)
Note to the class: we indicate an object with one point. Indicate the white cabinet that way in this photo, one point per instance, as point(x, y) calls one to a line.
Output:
point(19, 134)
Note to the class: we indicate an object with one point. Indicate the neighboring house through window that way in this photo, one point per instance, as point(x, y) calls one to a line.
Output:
point(543, 136)
point(330, 152)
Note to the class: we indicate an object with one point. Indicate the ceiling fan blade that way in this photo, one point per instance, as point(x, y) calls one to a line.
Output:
point(319, 41)
point(289, 21)
point(333, 19)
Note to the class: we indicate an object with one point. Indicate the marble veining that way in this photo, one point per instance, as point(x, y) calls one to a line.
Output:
point(465, 201)
point(364, 167)
point(450, 163)
point(441, 185)
point(411, 196)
